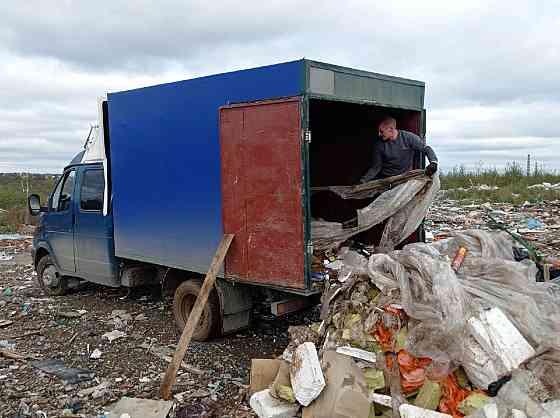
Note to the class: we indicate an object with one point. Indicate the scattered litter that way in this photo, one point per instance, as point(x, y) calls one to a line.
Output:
point(7, 344)
point(96, 354)
point(534, 224)
point(69, 376)
point(5, 257)
point(113, 335)
point(7, 291)
point(135, 407)
point(72, 314)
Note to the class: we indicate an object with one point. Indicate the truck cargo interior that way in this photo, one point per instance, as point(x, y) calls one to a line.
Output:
point(340, 153)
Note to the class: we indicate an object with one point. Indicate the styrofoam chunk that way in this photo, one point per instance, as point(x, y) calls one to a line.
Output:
point(383, 400)
point(357, 353)
point(265, 406)
point(411, 411)
point(306, 375)
point(500, 347)
point(516, 413)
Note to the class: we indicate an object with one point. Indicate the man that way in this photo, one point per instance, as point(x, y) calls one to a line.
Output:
point(393, 152)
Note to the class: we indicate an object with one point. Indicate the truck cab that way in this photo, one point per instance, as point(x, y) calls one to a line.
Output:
point(74, 239)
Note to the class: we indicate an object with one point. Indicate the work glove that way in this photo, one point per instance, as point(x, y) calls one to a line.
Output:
point(431, 169)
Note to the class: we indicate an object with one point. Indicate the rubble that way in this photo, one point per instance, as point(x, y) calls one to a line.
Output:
point(134, 407)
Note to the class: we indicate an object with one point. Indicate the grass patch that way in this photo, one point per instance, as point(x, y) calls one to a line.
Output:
point(512, 183)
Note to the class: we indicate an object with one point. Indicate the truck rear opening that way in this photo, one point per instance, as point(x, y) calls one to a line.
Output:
point(341, 152)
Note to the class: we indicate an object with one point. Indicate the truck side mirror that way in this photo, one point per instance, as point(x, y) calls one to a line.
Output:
point(34, 205)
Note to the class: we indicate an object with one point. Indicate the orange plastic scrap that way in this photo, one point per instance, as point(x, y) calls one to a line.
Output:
point(413, 371)
point(452, 396)
point(384, 336)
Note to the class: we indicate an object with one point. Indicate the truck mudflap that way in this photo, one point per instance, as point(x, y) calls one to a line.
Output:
point(236, 305)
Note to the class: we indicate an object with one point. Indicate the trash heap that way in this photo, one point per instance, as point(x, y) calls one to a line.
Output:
point(452, 328)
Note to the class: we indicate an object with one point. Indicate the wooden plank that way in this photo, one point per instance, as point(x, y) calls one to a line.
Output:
point(194, 317)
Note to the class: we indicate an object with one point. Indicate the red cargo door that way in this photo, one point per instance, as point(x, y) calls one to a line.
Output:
point(262, 192)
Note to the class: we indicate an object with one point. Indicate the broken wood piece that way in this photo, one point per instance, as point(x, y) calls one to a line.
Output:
point(11, 354)
point(194, 317)
point(27, 334)
point(5, 323)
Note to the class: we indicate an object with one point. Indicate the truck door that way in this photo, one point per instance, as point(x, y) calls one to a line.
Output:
point(59, 223)
point(262, 185)
point(93, 231)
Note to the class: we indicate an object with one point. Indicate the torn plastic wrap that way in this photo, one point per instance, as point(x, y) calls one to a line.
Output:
point(371, 188)
point(406, 205)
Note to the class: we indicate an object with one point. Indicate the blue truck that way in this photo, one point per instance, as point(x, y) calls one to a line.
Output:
point(172, 167)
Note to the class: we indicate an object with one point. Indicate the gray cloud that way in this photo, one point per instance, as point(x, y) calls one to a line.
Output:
point(493, 89)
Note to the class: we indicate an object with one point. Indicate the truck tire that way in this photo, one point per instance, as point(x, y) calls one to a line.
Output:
point(183, 301)
point(49, 279)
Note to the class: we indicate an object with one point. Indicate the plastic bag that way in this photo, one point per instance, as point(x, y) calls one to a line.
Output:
point(353, 263)
point(479, 244)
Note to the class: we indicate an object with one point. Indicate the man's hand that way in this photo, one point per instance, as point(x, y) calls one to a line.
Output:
point(431, 169)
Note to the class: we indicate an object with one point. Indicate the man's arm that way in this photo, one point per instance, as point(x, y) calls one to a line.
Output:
point(374, 169)
point(416, 143)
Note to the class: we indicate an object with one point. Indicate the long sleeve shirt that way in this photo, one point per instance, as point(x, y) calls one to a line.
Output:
point(394, 157)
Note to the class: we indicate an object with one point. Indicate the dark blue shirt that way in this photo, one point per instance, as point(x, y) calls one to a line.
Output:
point(394, 157)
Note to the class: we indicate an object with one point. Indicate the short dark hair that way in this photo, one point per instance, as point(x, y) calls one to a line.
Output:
point(388, 120)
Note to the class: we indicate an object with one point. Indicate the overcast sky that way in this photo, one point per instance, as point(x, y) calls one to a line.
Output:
point(492, 68)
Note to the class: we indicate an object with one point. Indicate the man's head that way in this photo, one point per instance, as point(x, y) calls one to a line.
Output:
point(388, 129)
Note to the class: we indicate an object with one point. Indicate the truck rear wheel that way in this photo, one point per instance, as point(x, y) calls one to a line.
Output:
point(183, 302)
point(49, 278)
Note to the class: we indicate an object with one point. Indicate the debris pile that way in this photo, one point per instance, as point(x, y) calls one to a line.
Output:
point(422, 332)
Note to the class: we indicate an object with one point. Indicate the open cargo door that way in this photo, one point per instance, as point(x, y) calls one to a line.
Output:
point(262, 184)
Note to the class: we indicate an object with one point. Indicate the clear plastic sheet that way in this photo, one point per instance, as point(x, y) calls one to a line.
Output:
point(406, 205)
point(441, 301)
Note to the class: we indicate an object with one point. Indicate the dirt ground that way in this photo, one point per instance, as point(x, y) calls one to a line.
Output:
point(42, 330)
point(70, 328)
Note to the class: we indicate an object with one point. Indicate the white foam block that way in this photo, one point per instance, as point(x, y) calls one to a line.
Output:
point(411, 411)
point(306, 375)
point(499, 337)
point(265, 406)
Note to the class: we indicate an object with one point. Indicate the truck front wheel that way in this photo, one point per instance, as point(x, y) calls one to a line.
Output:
point(183, 302)
point(49, 278)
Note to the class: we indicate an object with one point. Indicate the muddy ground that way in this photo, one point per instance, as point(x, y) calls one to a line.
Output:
point(70, 328)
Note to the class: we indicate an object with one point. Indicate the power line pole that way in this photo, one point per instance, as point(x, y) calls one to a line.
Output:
point(528, 165)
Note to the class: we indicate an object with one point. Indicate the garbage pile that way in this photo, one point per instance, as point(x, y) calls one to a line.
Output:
point(452, 328)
